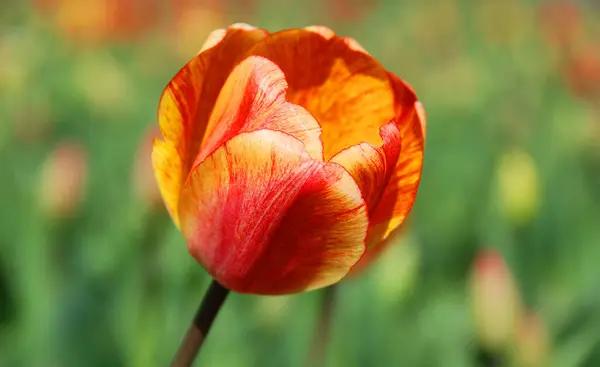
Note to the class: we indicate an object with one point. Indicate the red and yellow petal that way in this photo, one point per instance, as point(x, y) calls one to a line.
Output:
point(254, 98)
point(371, 167)
point(346, 89)
point(186, 105)
point(401, 191)
point(263, 217)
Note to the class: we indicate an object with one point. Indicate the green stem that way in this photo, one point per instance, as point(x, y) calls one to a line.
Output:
point(489, 359)
point(206, 314)
point(318, 351)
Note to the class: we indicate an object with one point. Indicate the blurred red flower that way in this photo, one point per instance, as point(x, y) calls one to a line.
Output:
point(581, 70)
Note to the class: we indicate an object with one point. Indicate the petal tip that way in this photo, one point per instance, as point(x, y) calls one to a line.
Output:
point(326, 32)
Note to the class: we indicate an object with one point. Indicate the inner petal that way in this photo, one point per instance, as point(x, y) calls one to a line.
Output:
point(253, 98)
point(347, 91)
point(371, 167)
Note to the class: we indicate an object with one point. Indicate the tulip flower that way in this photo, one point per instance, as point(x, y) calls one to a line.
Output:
point(193, 17)
point(560, 22)
point(286, 156)
point(532, 342)
point(101, 20)
point(495, 301)
point(63, 179)
point(518, 187)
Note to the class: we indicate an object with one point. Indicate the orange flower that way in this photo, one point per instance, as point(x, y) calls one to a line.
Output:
point(286, 156)
point(582, 71)
point(193, 17)
point(100, 20)
point(350, 10)
point(560, 22)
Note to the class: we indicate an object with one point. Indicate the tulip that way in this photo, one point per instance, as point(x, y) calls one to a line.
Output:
point(286, 156)
point(518, 187)
point(193, 17)
point(101, 20)
point(560, 22)
point(582, 71)
point(63, 179)
point(350, 10)
point(532, 342)
point(495, 302)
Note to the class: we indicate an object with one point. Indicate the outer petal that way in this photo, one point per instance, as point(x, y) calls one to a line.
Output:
point(263, 217)
point(401, 191)
point(186, 105)
point(371, 167)
point(347, 90)
point(253, 98)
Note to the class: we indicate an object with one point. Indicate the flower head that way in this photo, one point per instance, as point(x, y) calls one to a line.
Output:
point(495, 298)
point(286, 156)
point(63, 179)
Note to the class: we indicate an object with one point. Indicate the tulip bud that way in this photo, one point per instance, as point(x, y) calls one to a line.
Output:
point(582, 71)
point(63, 178)
point(143, 180)
point(532, 344)
point(518, 187)
point(494, 300)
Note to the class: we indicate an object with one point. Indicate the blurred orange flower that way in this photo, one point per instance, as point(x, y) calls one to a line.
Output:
point(191, 18)
point(582, 71)
point(63, 180)
point(560, 22)
point(286, 156)
point(350, 10)
point(101, 20)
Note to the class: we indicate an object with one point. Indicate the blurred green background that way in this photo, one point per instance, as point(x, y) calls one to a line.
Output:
point(93, 272)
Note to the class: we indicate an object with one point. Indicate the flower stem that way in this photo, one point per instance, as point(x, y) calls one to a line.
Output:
point(206, 314)
point(488, 359)
point(318, 351)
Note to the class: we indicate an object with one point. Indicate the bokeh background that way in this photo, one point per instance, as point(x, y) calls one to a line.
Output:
point(500, 256)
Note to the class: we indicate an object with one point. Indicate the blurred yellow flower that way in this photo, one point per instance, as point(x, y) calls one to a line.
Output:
point(102, 81)
point(532, 342)
point(518, 187)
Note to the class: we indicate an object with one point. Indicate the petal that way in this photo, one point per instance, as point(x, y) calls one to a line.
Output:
point(218, 35)
point(186, 105)
point(263, 217)
point(401, 191)
point(253, 98)
point(371, 167)
point(347, 90)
